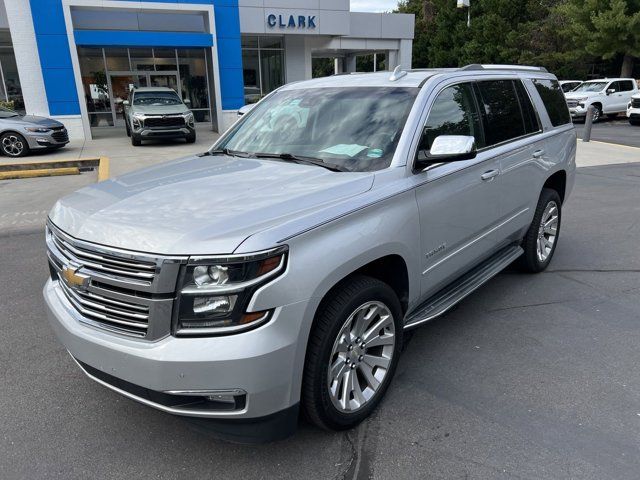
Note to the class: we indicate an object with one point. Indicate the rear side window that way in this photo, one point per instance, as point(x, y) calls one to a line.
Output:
point(531, 123)
point(554, 101)
point(626, 85)
point(500, 108)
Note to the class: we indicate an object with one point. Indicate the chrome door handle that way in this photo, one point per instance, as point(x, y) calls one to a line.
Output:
point(490, 175)
point(538, 153)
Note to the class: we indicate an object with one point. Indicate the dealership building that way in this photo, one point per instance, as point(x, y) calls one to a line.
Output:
point(76, 60)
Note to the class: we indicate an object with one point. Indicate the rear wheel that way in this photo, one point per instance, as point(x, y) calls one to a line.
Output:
point(542, 237)
point(352, 353)
point(14, 145)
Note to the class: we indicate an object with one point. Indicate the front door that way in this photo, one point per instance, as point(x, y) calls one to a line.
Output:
point(458, 201)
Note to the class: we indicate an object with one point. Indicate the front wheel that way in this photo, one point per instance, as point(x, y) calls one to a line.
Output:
point(542, 237)
point(191, 138)
point(136, 141)
point(352, 354)
point(597, 113)
point(14, 145)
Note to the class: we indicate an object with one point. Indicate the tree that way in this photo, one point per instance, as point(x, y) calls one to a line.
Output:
point(606, 28)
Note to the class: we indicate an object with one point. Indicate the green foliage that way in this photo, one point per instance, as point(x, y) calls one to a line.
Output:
point(565, 36)
point(9, 104)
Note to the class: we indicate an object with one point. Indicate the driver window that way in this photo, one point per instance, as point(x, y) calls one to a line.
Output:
point(454, 112)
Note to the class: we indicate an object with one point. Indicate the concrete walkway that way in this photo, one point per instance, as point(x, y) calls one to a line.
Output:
point(593, 153)
point(123, 156)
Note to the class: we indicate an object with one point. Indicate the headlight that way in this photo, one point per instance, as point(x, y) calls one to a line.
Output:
point(188, 118)
point(37, 129)
point(216, 291)
point(137, 120)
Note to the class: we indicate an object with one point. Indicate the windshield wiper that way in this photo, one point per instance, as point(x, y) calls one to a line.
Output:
point(302, 160)
point(226, 151)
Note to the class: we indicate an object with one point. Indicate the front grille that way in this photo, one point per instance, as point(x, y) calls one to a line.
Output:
point(125, 293)
point(60, 134)
point(635, 102)
point(119, 316)
point(572, 103)
point(177, 121)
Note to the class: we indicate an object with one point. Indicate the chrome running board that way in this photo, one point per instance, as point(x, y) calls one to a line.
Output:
point(463, 286)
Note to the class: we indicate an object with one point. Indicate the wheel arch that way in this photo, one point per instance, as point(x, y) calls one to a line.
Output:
point(557, 182)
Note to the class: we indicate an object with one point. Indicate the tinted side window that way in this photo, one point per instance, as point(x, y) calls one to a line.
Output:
point(500, 110)
point(626, 85)
point(554, 101)
point(453, 112)
point(531, 123)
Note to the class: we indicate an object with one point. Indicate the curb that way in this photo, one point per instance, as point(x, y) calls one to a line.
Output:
point(55, 168)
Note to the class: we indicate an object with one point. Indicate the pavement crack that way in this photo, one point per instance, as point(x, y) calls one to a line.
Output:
point(526, 306)
point(595, 270)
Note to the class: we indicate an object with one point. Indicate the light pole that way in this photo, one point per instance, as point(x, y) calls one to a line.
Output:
point(466, 4)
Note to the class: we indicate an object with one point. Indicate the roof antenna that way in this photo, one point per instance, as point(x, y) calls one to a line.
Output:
point(397, 74)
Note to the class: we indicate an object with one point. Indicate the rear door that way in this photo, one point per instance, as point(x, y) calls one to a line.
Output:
point(510, 125)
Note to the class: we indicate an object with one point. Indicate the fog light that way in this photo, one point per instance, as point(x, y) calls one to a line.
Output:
point(222, 398)
point(209, 305)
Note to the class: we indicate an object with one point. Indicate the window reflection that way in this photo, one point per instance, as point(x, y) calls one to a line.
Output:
point(262, 65)
point(10, 89)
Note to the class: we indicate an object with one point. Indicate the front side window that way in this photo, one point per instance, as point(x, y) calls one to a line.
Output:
point(453, 112)
point(159, 98)
point(355, 128)
point(500, 108)
point(554, 101)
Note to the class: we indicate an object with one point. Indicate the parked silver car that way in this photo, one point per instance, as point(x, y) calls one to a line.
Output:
point(280, 269)
point(157, 112)
point(20, 134)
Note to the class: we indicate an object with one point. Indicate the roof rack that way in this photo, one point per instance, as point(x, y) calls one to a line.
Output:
point(477, 66)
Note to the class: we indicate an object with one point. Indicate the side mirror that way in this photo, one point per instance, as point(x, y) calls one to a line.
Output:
point(186, 101)
point(246, 109)
point(610, 91)
point(447, 148)
point(125, 103)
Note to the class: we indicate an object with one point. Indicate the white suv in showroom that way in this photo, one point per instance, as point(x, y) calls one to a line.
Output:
point(609, 97)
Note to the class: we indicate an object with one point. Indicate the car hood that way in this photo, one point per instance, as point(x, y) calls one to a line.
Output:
point(200, 205)
point(34, 120)
point(577, 95)
point(160, 109)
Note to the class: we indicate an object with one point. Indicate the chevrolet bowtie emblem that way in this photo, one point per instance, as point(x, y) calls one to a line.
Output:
point(74, 279)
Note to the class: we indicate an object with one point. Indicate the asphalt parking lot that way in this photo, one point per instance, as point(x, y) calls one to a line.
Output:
point(617, 130)
point(533, 376)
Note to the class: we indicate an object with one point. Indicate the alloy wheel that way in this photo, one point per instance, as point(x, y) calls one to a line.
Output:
point(547, 231)
point(361, 356)
point(12, 145)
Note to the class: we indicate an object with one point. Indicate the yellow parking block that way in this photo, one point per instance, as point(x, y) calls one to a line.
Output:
point(44, 172)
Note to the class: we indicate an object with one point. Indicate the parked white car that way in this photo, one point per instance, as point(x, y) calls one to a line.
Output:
point(609, 96)
point(633, 110)
point(568, 85)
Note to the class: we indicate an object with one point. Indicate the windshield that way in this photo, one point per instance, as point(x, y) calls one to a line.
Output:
point(356, 129)
point(6, 113)
point(156, 98)
point(590, 87)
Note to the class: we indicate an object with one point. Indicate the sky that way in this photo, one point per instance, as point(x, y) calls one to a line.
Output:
point(373, 5)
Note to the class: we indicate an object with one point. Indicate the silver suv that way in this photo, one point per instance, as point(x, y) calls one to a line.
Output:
point(279, 270)
point(157, 112)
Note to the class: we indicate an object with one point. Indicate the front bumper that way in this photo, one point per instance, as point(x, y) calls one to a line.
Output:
point(633, 113)
point(154, 132)
point(259, 364)
point(46, 140)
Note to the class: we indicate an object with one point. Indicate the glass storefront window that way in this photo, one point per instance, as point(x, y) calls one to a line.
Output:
point(262, 65)
point(107, 79)
point(10, 89)
point(117, 59)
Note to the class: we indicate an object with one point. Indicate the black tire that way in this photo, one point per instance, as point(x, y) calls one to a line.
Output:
point(634, 122)
point(126, 127)
point(135, 140)
point(530, 260)
point(191, 138)
point(344, 300)
point(13, 145)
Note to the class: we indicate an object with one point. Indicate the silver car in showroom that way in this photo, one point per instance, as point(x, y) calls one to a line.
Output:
point(21, 134)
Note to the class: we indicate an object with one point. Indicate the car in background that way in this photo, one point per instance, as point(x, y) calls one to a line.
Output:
point(568, 85)
point(609, 96)
point(157, 112)
point(633, 110)
point(21, 134)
